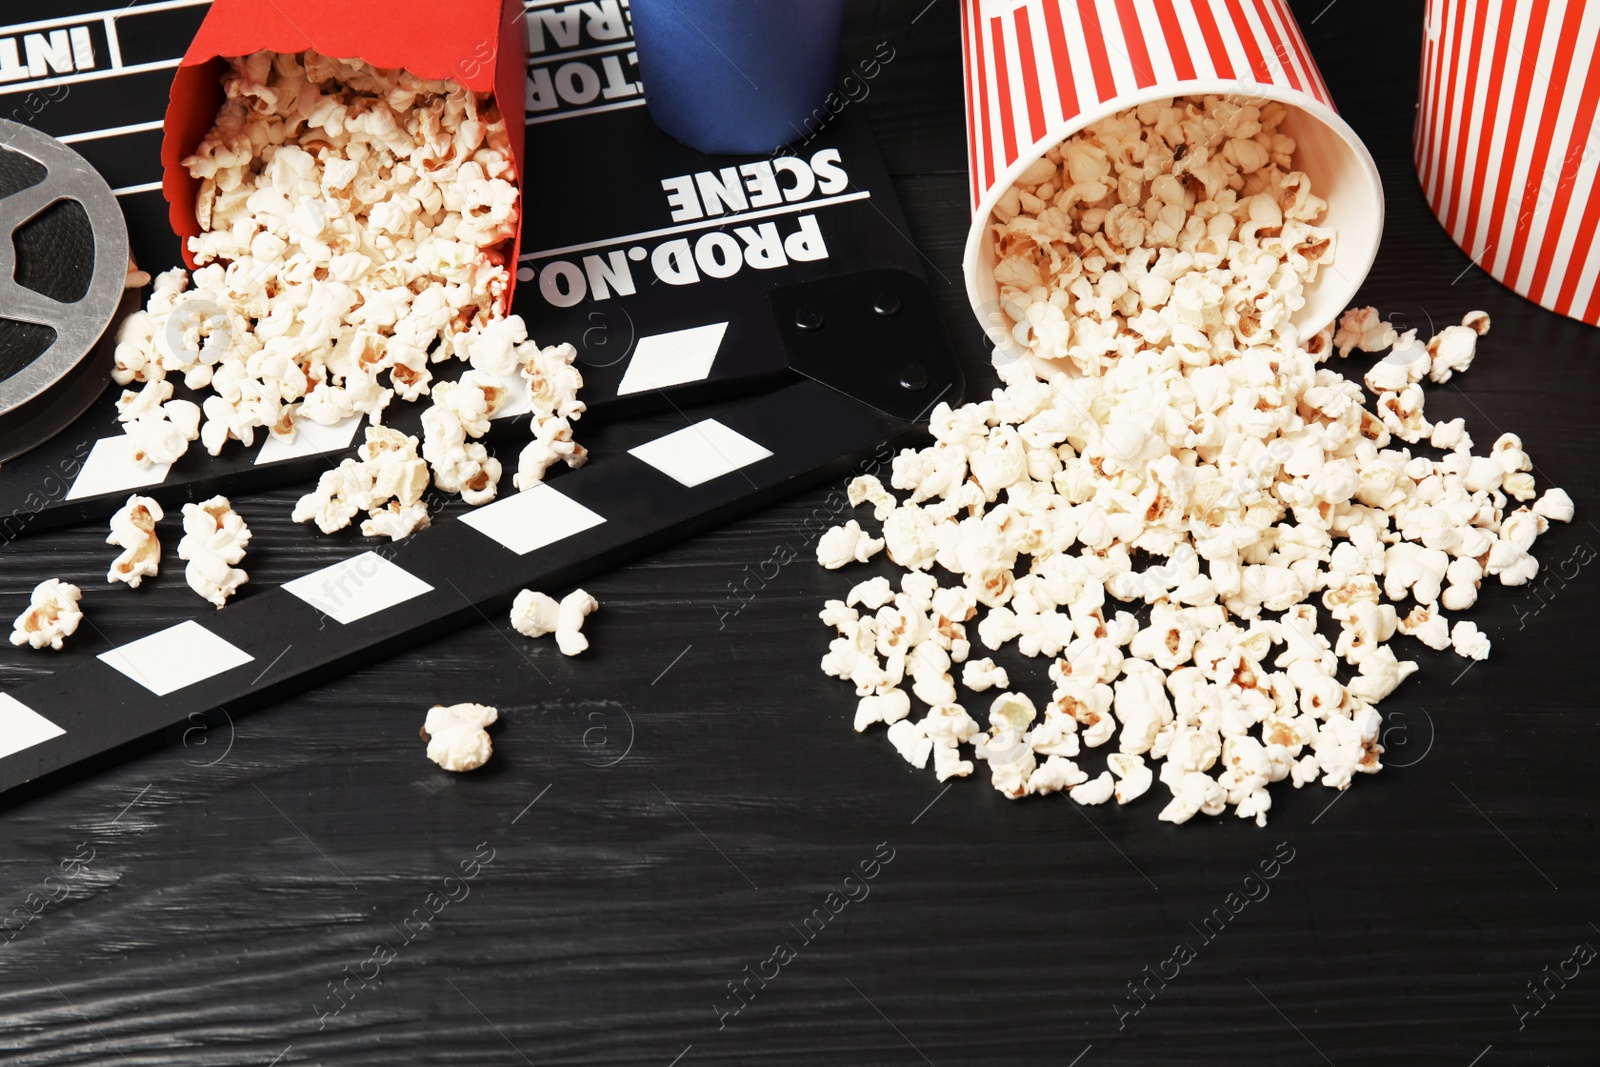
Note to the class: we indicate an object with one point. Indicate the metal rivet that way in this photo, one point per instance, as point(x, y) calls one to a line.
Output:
point(807, 317)
point(914, 377)
point(886, 304)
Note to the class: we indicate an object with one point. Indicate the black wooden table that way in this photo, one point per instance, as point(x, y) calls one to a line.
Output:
point(302, 886)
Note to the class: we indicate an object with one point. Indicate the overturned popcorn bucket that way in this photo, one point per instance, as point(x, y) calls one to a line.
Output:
point(1038, 71)
point(481, 45)
point(1506, 147)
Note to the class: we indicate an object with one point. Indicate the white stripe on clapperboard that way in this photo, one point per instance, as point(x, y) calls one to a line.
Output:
point(129, 190)
point(559, 115)
point(579, 53)
point(110, 13)
point(112, 131)
point(709, 224)
point(88, 76)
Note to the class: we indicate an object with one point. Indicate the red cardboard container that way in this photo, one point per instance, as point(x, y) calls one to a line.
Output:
point(480, 44)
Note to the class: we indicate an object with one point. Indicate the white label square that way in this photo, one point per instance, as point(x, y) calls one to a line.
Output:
point(310, 439)
point(357, 587)
point(532, 519)
point(111, 468)
point(665, 359)
point(179, 656)
point(21, 727)
point(701, 452)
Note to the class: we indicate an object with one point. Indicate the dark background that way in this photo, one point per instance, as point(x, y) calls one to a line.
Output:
point(699, 790)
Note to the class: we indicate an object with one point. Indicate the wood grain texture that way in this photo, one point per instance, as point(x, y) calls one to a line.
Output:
point(699, 792)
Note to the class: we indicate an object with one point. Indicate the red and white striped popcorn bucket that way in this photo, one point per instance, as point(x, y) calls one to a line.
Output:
point(1506, 146)
point(1038, 71)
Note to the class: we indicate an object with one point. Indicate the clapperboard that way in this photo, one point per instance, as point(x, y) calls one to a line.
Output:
point(681, 278)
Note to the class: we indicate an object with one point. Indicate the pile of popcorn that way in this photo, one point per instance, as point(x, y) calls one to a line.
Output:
point(1172, 442)
point(1175, 224)
point(354, 226)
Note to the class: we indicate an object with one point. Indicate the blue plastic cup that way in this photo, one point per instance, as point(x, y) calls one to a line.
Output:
point(737, 77)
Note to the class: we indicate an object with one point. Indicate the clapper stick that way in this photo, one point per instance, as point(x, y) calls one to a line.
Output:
point(700, 346)
point(867, 359)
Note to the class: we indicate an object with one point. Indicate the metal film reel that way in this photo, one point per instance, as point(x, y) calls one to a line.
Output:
point(63, 263)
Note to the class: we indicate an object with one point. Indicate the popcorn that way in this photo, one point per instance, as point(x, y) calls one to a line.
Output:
point(869, 490)
point(456, 735)
point(574, 608)
point(534, 614)
point(1134, 778)
point(1453, 349)
point(161, 435)
point(911, 742)
point(52, 616)
point(846, 544)
point(387, 482)
point(1164, 227)
point(981, 674)
point(1466, 639)
point(552, 444)
point(1554, 505)
point(396, 520)
point(1097, 791)
point(133, 529)
point(1362, 328)
point(1173, 444)
point(889, 708)
point(871, 594)
point(214, 539)
point(461, 410)
point(354, 229)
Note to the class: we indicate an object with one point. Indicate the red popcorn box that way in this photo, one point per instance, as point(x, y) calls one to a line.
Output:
point(481, 45)
point(1506, 144)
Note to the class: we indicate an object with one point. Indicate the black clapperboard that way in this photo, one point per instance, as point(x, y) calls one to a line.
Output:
point(680, 278)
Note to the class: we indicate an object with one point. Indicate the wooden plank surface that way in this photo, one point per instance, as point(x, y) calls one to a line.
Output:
point(663, 812)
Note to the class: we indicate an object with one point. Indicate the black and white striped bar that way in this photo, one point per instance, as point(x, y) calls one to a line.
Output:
point(365, 608)
point(690, 349)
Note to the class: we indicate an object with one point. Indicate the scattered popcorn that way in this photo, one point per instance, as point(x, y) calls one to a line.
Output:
point(534, 614)
point(846, 544)
point(871, 594)
point(1134, 777)
point(52, 616)
point(1362, 328)
point(456, 735)
point(574, 608)
point(980, 674)
point(869, 490)
point(553, 444)
point(133, 529)
point(888, 708)
point(1453, 349)
point(355, 226)
point(1173, 444)
point(1554, 505)
point(396, 520)
point(1469, 641)
point(911, 742)
point(214, 539)
point(1097, 791)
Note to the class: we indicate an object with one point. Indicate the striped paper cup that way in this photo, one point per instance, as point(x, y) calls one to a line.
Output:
point(1038, 71)
point(1506, 146)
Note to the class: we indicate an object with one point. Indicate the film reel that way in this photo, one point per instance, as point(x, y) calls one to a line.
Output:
point(63, 264)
